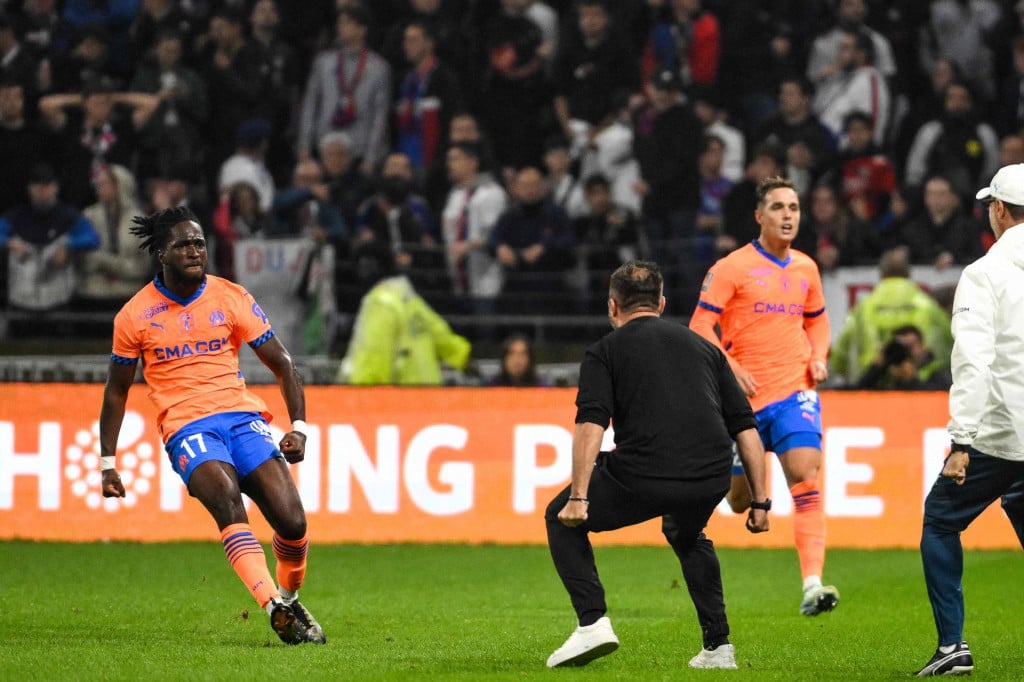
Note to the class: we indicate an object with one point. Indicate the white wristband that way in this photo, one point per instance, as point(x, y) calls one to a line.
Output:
point(299, 426)
point(107, 462)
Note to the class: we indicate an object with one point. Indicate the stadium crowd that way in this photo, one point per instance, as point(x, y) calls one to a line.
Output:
point(508, 153)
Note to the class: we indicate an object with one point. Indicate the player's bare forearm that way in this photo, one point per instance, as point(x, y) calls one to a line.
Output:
point(751, 451)
point(274, 355)
point(586, 444)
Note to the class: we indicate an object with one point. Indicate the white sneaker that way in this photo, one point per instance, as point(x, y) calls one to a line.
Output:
point(585, 644)
point(819, 600)
point(723, 657)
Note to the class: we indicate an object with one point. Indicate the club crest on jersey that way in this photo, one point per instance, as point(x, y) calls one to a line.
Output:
point(185, 320)
point(217, 318)
point(258, 312)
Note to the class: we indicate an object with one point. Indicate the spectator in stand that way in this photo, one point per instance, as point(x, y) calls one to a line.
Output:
point(17, 64)
point(40, 238)
point(173, 133)
point(687, 41)
point(474, 205)
point(759, 50)
point(944, 234)
point(92, 129)
point(825, 59)
point(606, 237)
point(155, 18)
point(739, 204)
point(451, 41)
point(667, 145)
point(867, 175)
point(349, 89)
point(235, 86)
point(611, 154)
point(349, 186)
point(117, 269)
point(707, 105)
point(533, 241)
point(961, 31)
point(565, 186)
point(856, 86)
point(428, 97)
point(114, 17)
point(282, 73)
point(20, 140)
point(957, 144)
point(42, 28)
point(464, 127)
point(247, 163)
point(518, 364)
point(808, 144)
point(238, 216)
point(90, 59)
point(896, 301)
point(923, 107)
point(178, 185)
point(714, 186)
point(592, 66)
point(305, 209)
point(834, 237)
point(398, 220)
point(896, 366)
point(514, 95)
point(1011, 150)
point(1009, 103)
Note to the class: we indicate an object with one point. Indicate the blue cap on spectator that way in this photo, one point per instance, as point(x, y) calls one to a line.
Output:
point(253, 131)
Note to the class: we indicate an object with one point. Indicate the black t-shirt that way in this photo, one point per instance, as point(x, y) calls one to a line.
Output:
point(671, 395)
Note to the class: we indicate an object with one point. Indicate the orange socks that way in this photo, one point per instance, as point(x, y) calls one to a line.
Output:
point(291, 561)
point(249, 561)
point(809, 527)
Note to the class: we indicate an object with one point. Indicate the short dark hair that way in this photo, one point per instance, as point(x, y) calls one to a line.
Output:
point(637, 285)
point(772, 183)
point(594, 181)
point(471, 149)
point(155, 229)
point(905, 329)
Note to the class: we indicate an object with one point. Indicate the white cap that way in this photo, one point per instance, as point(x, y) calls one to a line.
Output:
point(1007, 185)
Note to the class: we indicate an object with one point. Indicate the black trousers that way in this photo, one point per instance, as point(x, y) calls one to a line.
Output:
point(617, 501)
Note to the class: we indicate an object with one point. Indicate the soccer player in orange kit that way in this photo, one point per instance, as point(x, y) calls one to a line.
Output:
point(766, 299)
point(187, 327)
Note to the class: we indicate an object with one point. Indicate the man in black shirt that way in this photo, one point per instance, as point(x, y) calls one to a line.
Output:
point(677, 409)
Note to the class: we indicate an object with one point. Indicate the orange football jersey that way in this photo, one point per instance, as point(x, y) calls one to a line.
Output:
point(771, 315)
point(189, 349)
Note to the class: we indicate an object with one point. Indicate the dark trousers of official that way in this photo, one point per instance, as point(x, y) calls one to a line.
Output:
point(948, 510)
point(617, 501)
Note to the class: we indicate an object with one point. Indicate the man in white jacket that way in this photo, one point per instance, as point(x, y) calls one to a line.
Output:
point(986, 404)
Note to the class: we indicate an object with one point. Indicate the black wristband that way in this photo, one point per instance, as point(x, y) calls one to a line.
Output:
point(579, 499)
point(766, 505)
point(958, 447)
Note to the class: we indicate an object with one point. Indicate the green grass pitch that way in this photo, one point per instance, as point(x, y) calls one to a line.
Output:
point(435, 612)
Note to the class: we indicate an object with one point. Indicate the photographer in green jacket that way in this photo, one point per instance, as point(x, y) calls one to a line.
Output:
point(398, 339)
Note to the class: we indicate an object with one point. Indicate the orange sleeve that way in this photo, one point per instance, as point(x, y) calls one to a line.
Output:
point(819, 332)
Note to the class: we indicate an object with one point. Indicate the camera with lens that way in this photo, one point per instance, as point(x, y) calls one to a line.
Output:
point(895, 353)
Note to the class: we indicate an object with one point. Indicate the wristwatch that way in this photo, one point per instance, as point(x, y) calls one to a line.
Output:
point(959, 447)
point(766, 505)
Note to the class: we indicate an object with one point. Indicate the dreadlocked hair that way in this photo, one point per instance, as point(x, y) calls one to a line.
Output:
point(155, 228)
